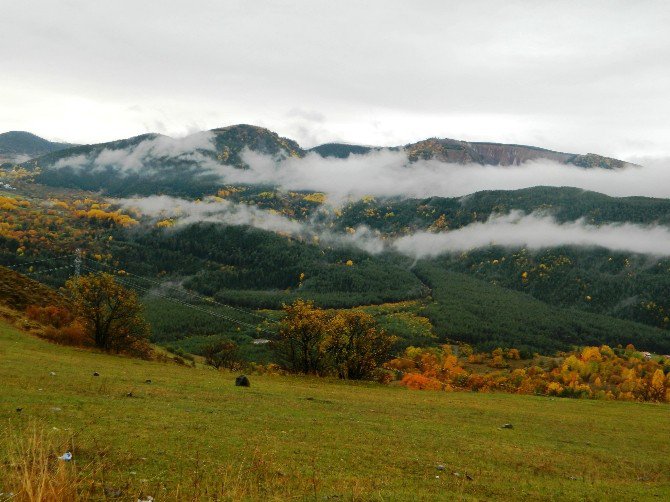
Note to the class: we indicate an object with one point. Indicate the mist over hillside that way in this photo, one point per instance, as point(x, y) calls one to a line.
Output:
point(20, 146)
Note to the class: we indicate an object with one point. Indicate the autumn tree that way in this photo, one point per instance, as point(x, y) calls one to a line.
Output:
point(346, 343)
point(300, 334)
point(354, 345)
point(110, 313)
point(223, 354)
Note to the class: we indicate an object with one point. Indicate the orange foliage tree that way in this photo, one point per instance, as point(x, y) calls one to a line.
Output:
point(110, 313)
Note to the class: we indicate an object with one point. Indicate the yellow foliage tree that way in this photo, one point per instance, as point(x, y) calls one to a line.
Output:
point(109, 313)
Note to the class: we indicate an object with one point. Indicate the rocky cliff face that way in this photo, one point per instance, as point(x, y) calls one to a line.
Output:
point(497, 154)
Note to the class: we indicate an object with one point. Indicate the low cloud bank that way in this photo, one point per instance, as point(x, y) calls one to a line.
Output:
point(215, 210)
point(382, 173)
point(514, 230)
point(135, 158)
point(535, 231)
point(185, 212)
point(388, 173)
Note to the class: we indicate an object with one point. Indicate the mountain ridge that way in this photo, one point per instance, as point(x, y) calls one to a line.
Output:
point(229, 141)
point(15, 145)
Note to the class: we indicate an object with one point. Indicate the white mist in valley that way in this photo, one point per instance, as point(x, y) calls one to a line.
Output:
point(536, 231)
point(513, 230)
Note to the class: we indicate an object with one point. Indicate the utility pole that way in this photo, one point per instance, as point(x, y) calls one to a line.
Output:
point(77, 263)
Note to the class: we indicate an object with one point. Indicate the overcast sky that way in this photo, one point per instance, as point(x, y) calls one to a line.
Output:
point(573, 76)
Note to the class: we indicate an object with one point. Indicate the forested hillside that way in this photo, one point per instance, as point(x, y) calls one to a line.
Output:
point(259, 246)
point(16, 146)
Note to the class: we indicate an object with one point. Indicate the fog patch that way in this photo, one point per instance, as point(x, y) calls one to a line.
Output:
point(514, 230)
point(140, 158)
point(381, 173)
point(388, 173)
point(537, 231)
point(213, 210)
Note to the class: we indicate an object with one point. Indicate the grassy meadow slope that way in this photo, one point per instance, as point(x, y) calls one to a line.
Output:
point(191, 434)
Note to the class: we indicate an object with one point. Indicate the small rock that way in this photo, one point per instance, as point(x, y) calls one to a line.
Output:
point(95, 373)
point(52, 373)
point(130, 394)
point(147, 381)
point(112, 493)
point(457, 474)
point(507, 426)
point(440, 467)
point(55, 409)
point(242, 381)
point(19, 410)
point(468, 477)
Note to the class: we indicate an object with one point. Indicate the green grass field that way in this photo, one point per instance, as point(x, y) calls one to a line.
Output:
point(192, 435)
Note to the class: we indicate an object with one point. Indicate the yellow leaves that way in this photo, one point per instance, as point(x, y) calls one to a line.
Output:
point(524, 276)
point(349, 263)
point(317, 197)
point(20, 174)
point(167, 223)
point(59, 203)
point(115, 217)
point(439, 224)
point(10, 203)
point(554, 389)
point(350, 230)
point(588, 298)
point(591, 354)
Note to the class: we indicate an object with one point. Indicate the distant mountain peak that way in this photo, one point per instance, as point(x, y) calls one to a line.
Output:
point(18, 146)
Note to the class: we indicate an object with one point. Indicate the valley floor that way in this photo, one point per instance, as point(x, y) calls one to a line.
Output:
point(191, 434)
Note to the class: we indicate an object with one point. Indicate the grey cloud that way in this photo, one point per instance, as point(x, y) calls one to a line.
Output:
point(514, 230)
point(212, 210)
point(135, 158)
point(383, 173)
point(587, 76)
point(388, 173)
point(535, 231)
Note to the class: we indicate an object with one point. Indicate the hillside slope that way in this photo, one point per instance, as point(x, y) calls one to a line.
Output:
point(192, 433)
point(18, 291)
point(499, 154)
point(15, 146)
point(154, 163)
point(488, 316)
